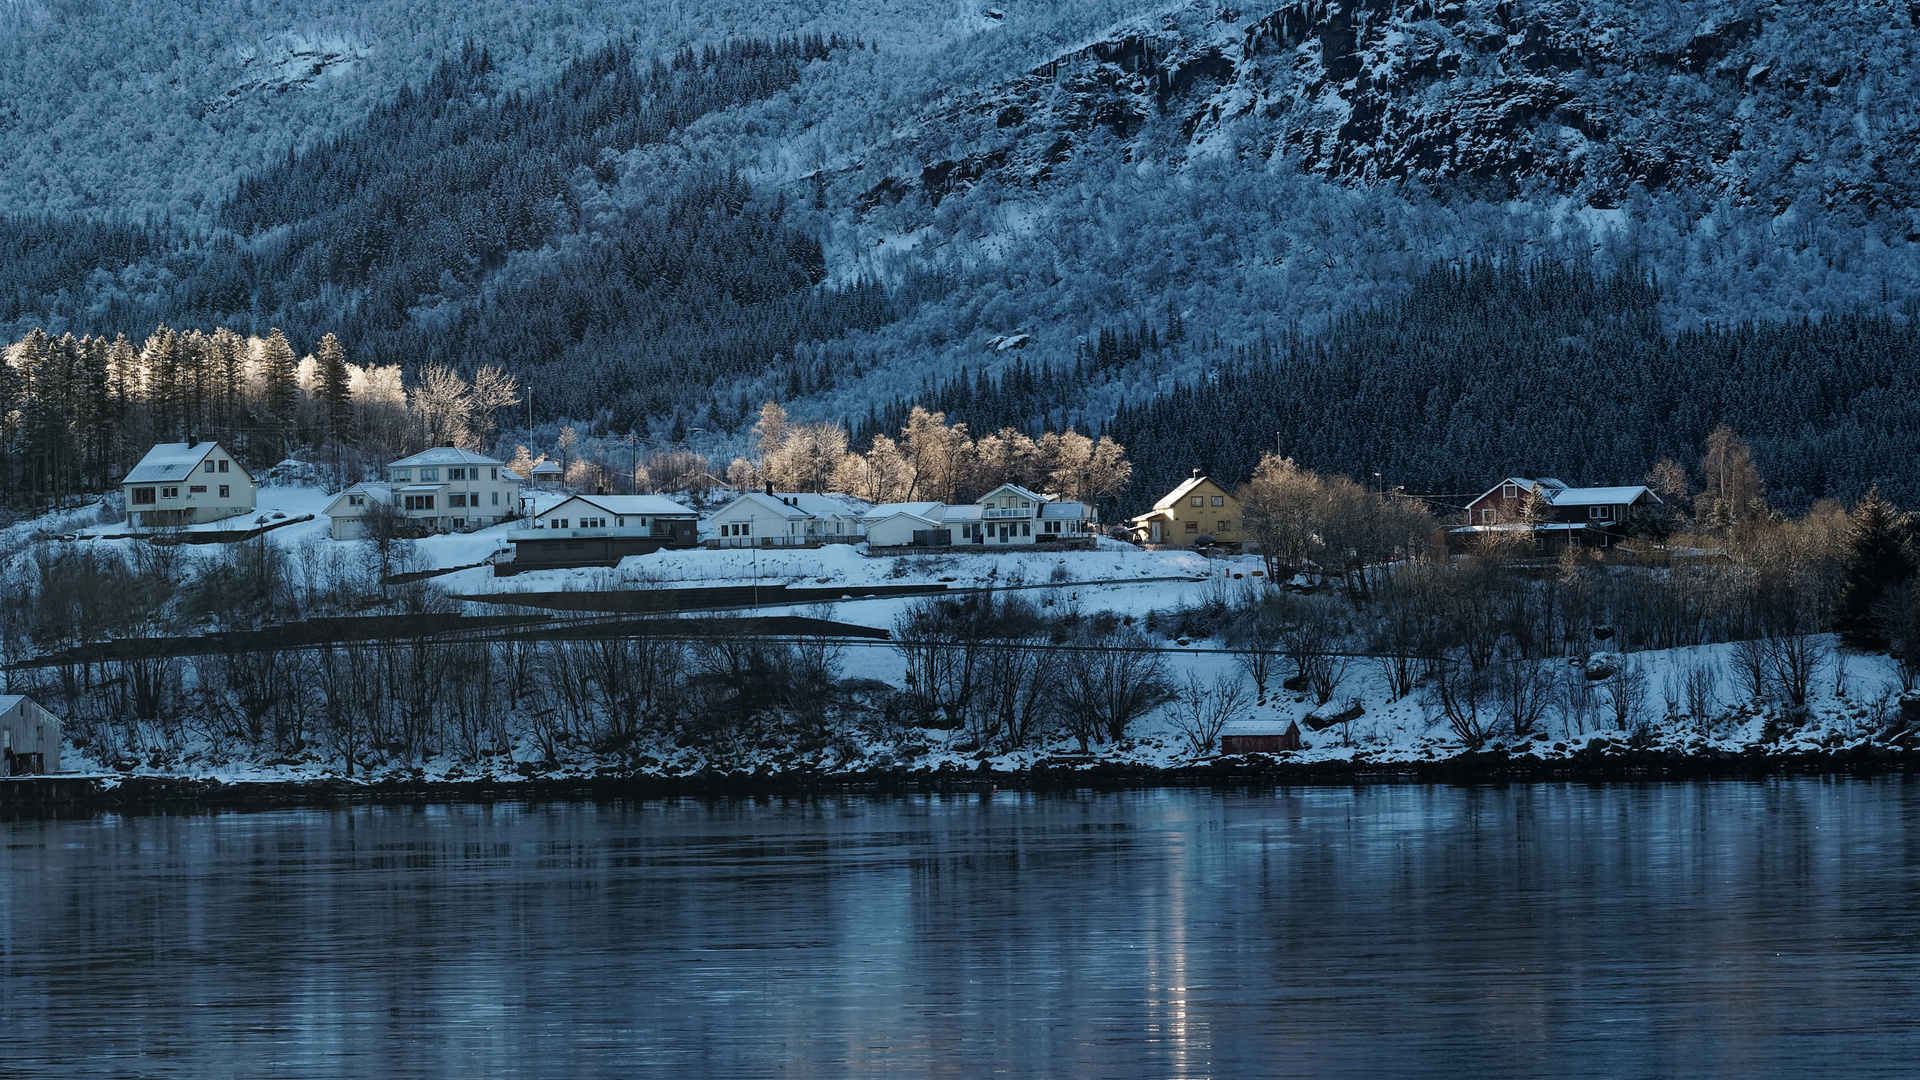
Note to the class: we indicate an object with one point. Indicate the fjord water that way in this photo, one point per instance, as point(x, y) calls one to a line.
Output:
point(1707, 929)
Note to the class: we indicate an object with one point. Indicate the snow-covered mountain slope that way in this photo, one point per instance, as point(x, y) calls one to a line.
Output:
point(1775, 105)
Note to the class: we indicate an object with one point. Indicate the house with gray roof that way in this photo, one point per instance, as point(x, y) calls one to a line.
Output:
point(187, 483)
point(1550, 515)
point(447, 489)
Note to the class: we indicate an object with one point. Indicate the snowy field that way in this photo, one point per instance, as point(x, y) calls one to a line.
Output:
point(1851, 696)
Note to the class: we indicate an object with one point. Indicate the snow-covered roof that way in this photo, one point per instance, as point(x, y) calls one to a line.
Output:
point(760, 500)
point(932, 522)
point(928, 510)
point(377, 490)
point(1071, 511)
point(1275, 726)
point(1559, 494)
point(546, 468)
point(509, 474)
point(1173, 497)
point(421, 489)
point(445, 455)
point(1601, 496)
point(169, 461)
point(827, 505)
point(968, 512)
point(1017, 490)
point(629, 505)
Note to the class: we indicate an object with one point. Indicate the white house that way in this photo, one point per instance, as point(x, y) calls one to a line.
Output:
point(601, 530)
point(1013, 515)
point(1009, 515)
point(186, 483)
point(348, 510)
point(29, 736)
point(446, 489)
point(773, 519)
point(910, 524)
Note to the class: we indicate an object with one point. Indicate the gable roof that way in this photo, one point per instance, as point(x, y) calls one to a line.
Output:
point(1017, 490)
point(444, 455)
point(760, 500)
point(172, 461)
point(1173, 497)
point(926, 510)
point(546, 467)
point(932, 521)
point(627, 505)
point(1559, 494)
point(378, 490)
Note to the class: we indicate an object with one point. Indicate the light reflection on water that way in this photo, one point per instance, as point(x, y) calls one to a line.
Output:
point(1726, 929)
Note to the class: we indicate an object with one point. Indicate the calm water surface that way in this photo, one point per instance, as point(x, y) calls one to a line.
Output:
point(1727, 929)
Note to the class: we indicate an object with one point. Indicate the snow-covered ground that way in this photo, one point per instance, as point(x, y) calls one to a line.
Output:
point(1852, 696)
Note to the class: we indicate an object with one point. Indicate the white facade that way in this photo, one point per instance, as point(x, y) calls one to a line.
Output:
point(450, 490)
point(1007, 516)
point(347, 512)
point(1011, 515)
point(187, 483)
point(773, 519)
point(611, 515)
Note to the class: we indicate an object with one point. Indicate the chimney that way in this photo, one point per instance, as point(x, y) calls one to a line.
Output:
point(1196, 474)
point(191, 441)
point(769, 488)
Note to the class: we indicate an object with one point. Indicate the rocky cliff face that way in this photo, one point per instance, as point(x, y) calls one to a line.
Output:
point(1774, 105)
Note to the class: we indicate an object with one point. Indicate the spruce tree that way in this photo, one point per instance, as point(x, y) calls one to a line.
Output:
point(1877, 556)
point(277, 363)
point(335, 391)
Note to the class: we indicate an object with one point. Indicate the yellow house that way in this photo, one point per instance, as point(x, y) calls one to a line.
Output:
point(1199, 507)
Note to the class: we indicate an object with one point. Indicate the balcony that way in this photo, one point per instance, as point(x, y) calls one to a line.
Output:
point(993, 513)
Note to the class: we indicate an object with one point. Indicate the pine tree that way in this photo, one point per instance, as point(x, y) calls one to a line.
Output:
point(1877, 556)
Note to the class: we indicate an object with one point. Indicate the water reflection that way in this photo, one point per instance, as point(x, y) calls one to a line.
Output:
point(1706, 929)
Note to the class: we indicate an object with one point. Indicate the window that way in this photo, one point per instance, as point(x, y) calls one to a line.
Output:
point(1219, 500)
point(496, 498)
point(496, 476)
point(419, 502)
point(226, 491)
point(1193, 526)
point(1486, 516)
point(143, 496)
point(1199, 500)
point(557, 523)
point(1026, 528)
point(223, 466)
point(1510, 491)
point(458, 498)
point(1223, 526)
point(352, 500)
point(459, 523)
point(169, 492)
point(456, 474)
point(403, 474)
point(196, 489)
point(1600, 513)
point(429, 474)
point(209, 466)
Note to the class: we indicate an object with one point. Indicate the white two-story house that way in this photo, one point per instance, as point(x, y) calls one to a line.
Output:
point(186, 483)
point(1007, 516)
point(446, 489)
